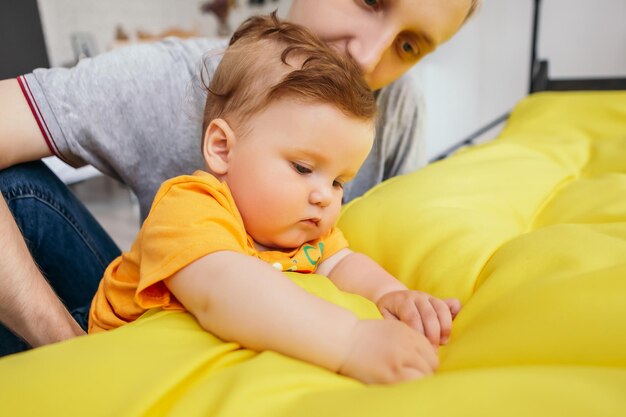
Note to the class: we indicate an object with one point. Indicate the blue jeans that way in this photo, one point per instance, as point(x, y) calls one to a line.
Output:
point(71, 249)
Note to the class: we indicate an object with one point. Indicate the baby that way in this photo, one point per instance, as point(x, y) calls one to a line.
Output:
point(288, 121)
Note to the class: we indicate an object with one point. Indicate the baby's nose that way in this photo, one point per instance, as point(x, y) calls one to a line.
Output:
point(321, 196)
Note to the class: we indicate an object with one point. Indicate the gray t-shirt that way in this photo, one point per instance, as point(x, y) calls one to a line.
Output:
point(136, 114)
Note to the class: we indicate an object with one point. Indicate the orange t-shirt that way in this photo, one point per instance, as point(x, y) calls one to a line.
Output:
point(191, 217)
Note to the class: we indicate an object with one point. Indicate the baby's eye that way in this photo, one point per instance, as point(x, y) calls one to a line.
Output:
point(301, 169)
point(338, 184)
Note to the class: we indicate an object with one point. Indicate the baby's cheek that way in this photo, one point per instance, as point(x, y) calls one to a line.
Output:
point(333, 213)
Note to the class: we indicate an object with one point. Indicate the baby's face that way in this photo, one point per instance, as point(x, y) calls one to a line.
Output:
point(287, 174)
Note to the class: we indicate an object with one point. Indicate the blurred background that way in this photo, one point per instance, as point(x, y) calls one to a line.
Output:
point(471, 81)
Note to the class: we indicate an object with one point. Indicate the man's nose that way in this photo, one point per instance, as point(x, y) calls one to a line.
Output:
point(368, 50)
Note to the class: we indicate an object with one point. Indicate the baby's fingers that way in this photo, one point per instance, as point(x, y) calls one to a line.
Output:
point(412, 368)
point(430, 320)
point(408, 373)
point(388, 315)
point(406, 312)
point(445, 318)
point(410, 315)
point(428, 355)
point(454, 305)
point(420, 362)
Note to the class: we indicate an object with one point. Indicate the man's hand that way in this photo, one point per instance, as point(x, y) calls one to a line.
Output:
point(385, 351)
point(28, 305)
point(428, 315)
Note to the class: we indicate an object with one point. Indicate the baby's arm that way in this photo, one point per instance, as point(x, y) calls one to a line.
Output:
point(357, 273)
point(240, 298)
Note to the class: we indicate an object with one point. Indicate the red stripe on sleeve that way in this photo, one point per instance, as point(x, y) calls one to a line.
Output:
point(37, 115)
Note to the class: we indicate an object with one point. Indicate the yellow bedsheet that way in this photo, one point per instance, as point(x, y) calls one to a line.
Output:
point(529, 231)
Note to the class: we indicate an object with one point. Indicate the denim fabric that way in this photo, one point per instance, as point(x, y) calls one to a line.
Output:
point(70, 247)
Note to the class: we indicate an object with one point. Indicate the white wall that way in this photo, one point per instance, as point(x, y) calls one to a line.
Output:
point(60, 18)
point(477, 76)
point(482, 72)
point(583, 37)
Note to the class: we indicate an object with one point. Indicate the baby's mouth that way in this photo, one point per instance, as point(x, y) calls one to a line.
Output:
point(313, 221)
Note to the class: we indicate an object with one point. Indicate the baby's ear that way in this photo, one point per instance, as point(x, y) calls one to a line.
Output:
point(219, 140)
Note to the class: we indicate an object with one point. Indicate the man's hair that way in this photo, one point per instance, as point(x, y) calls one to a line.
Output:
point(472, 10)
point(268, 59)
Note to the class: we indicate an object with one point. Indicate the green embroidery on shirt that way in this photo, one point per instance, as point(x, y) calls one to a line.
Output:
point(307, 248)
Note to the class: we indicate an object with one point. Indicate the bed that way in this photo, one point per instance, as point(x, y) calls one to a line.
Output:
point(528, 230)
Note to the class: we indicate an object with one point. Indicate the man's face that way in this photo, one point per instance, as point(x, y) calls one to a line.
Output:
point(385, 37)
point(287, 173)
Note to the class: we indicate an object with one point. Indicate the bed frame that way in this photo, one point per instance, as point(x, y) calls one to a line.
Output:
point(540, 81)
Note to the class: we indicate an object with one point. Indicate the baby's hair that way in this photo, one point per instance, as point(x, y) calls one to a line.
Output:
point(268, 59)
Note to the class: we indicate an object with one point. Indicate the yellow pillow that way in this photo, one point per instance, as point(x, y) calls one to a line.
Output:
point(529, 231)
point(560, 159)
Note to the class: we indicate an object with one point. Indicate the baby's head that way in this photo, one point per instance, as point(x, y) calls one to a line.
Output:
point(288, 121)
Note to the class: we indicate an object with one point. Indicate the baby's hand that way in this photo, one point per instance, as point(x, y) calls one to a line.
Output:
point(428, 315)
point(385, 351)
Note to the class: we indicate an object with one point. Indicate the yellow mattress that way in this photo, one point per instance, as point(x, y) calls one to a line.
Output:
point(529, 231)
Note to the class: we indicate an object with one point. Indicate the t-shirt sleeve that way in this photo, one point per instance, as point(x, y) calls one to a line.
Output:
point(401, 105)
point(399, 146)
point(188, 220)
point(111, 110)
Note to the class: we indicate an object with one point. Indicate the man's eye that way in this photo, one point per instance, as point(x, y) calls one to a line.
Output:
point(375, 4)
point(409, 50)
point(301, 169)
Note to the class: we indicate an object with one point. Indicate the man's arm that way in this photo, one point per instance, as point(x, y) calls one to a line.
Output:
point(28, 306)
point(20, 137)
